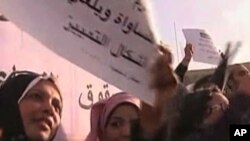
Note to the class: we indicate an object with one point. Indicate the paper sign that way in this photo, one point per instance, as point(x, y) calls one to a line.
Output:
point(109, 38)
point(204, 49)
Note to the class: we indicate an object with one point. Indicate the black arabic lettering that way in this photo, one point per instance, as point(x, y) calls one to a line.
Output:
point(125, 21)
point(98, 11)
point(134, 79)
point(107, 14)
point(105, 40)
point(143, 60)
point(104, 16)
point(148, 38)
point(118, 19)
point(107, 95)
point(75, 29)
point(98, 33)
point(72, 1)
point(131, 56)
point(138, 6)
point(138, 59)
point(128, 28)
point(118, 71)
point(95, 3)
point(90, 98)
point(71, 28)
point(100, 96)
point(85, 2)
point(118, 52)
point(128, 54)
point(92, 6)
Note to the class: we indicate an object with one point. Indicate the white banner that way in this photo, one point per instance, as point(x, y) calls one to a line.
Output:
point(79, 88)
point(109, 38)
point(204, 49)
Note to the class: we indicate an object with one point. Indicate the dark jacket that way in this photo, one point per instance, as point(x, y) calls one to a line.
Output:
point(181, 71)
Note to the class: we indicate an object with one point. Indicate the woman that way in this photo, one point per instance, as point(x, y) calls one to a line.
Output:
point(111, 118)
point(239, 99)
point(30, 107)
point(239, 79)
point(199, 112)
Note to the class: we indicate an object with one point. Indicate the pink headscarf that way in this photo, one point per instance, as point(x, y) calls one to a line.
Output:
point(102, 109)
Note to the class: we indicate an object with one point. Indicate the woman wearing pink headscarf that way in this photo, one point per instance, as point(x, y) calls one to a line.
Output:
point(111, 118)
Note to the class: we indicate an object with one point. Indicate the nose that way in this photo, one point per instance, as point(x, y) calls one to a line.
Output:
point(126, 132)
point(48, 108)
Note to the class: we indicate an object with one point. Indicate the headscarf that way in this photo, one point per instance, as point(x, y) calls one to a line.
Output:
point(12, 91)
point(101, 111)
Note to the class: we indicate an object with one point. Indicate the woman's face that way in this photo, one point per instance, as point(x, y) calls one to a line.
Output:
point(119, 123)
point(216, 108)
point(40, 110)
point(241, 76)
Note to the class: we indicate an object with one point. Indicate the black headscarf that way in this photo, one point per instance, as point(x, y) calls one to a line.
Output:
point(10, 92)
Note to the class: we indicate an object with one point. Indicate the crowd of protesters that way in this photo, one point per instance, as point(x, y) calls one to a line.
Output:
point(31, 105)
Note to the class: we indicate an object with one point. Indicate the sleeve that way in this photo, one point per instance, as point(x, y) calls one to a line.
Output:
point(181, 71)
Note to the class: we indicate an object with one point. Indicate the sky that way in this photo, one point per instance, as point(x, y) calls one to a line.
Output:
point(224, 20)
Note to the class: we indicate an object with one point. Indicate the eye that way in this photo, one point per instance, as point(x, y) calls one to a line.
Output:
point(57, 105)
point(243, 73)
point(216, 107)
point(115, 124)
point(35, 96)
point(208, 112)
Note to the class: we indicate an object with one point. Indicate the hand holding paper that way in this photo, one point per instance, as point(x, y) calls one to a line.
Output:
point(204, 49)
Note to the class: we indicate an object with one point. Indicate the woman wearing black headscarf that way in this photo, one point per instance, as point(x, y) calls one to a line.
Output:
point(30, 107)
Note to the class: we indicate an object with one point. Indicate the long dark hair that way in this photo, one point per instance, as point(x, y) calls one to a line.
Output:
point(192, 111)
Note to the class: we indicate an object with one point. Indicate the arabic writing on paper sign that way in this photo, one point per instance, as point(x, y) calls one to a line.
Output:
point(126, 24)
point(81, 32)
point(130, 55)
point(103, 40)
point(99, 11)
point(137, 4)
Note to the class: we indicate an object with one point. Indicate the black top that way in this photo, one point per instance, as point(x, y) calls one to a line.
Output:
point(181, 71)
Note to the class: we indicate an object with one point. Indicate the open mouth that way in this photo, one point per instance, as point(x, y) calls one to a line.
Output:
point(44, 123)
